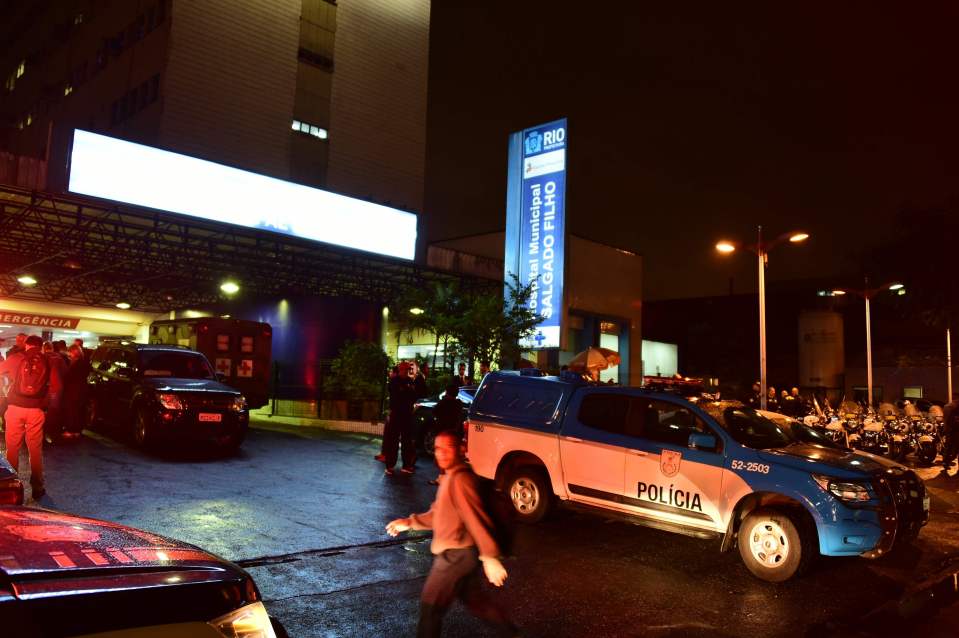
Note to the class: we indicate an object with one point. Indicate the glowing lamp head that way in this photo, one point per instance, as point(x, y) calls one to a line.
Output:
point(416, 311)
point(230, 287)
point(725, 247)
point(798, 237)
point(123, 305)
point(896, 286)
point(838, 292)
point(27, 280)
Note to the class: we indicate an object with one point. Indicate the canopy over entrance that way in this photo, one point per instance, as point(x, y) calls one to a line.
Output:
point(91, 252)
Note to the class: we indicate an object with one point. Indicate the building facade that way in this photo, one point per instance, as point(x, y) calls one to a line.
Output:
point(329, 94)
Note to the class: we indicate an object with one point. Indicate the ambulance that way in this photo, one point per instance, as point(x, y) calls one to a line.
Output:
point(240, 350)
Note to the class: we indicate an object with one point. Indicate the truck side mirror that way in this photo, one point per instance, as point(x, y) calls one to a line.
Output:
point(702, 441)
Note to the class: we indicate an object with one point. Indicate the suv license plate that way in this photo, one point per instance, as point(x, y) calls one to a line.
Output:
point(210, 417)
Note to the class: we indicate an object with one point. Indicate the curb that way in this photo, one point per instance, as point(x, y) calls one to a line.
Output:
point(359, 427)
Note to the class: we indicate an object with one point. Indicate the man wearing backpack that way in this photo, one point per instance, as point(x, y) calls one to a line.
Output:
point(33, 379)
point(462, 541)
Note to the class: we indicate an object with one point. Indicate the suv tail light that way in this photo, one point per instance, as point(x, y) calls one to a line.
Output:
point(11, 492)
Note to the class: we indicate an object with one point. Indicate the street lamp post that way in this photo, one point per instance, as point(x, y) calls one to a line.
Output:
point(761, 250)
point(868, 293)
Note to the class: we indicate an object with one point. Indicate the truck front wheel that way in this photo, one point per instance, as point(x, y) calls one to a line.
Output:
point(530, 493)
point(771, 545)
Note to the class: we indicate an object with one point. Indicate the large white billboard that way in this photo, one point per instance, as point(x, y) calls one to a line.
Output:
point(123, 171)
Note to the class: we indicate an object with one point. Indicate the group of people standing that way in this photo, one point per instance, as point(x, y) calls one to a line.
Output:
point(407, 385)
point(42, 395)
point(791, 402)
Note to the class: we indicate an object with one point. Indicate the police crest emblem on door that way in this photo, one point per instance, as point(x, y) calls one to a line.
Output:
point(669, 462)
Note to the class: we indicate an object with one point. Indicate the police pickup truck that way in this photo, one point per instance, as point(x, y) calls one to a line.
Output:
point(777, 489)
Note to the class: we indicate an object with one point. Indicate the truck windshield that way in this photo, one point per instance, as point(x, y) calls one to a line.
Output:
point(182, 365)
point(764, 430)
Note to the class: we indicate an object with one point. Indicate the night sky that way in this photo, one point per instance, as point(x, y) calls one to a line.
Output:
point(689, 123)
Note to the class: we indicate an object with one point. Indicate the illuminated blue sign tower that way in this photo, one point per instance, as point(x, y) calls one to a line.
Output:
point(536, 223)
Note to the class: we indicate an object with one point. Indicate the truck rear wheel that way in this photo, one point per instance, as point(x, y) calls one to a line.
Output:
point(530, 493)
point(772, 546)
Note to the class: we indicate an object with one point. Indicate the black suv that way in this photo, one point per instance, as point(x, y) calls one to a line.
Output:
point(166, 393)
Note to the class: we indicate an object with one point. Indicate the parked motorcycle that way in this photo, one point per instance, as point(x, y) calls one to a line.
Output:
point(851, 419)
point(930, 436)
point(874, 438)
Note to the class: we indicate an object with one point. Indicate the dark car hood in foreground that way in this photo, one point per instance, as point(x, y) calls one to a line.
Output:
point(175, 384)
point(63, 575)
point(847, 461)
point(36, 541)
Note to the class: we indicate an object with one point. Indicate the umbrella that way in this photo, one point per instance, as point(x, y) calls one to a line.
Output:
point(593, 358)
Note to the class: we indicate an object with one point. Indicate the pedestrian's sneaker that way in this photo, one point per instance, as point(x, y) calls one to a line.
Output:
point(388, 471)
point(407, 469)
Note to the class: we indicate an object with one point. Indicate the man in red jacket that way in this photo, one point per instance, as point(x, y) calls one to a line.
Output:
point(32, 381)
point(462, 541)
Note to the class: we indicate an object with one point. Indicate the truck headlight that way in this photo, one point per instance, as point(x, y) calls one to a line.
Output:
point(848, 491)
point(250, 621)
point(170, 401)
point(239, 403)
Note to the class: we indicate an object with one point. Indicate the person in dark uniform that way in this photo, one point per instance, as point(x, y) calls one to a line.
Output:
point(753, 400)
point(950, 422)
point(772, 402)
point(405, 388)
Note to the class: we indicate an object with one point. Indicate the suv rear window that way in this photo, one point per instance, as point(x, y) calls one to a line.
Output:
point(169, 363)
point(532, 403)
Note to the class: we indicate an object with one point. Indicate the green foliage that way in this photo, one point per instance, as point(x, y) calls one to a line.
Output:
point(360, 370)
point(474, 325)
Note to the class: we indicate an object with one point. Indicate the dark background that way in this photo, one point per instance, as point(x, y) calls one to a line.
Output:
point(694, 121)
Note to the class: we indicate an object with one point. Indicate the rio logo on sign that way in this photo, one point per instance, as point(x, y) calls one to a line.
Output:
point(536, 228)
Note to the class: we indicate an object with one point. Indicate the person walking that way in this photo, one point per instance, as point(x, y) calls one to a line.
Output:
point(462, 543)
point(33, 379)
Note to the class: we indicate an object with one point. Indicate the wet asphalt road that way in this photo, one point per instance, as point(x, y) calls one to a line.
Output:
point(304, 511)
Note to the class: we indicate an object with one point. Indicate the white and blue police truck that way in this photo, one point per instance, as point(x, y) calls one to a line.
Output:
point(778, 489)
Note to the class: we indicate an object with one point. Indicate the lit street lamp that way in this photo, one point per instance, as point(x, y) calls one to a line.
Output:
point(761, 250)
point(867, 294)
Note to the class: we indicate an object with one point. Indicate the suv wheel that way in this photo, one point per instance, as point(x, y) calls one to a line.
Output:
point(142, 430)
point(771, 545)
point(530, 493)
point(91, 415)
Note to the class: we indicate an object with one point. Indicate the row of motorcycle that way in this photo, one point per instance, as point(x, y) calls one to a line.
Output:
point(887, 431)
